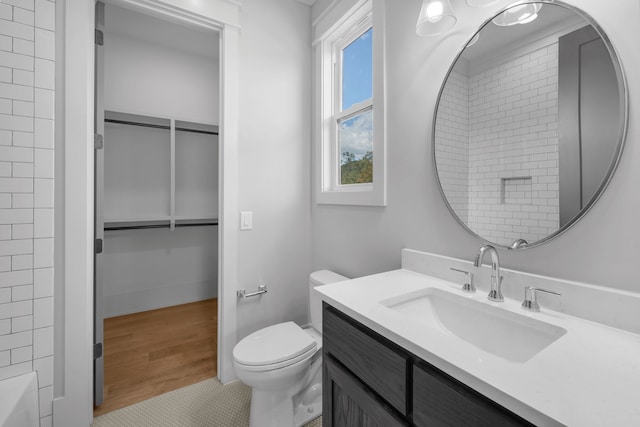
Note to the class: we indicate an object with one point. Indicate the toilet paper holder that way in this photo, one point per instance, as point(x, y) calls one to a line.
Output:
point(262, 289)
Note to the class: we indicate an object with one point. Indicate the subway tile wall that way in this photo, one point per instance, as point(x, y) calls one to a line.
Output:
point(27, 91)
point(512, 159)
point(513, 155)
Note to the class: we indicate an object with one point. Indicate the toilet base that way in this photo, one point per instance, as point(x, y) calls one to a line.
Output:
point(279, 409)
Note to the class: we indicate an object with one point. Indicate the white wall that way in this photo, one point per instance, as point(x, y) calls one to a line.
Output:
point(27, 83)
point(140, 79)
point(274, 153)
point(601, 249)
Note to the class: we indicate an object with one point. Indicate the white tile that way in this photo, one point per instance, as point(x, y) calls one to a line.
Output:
point(6, 43)
point(6, 106)
point(45, 73)
point(43, 223)
point(11, 341)
point(22, 231)
point(42, 342)
point(6, 75)
point(15, 278)
point(44, 133)
point(43, 193)
point(42, 312)
point(42, 282)
point(5, 295)
point(22, 170)
point(21, 324)
point(23, 47)
point(6, 12)
point(5, 137)
point(15, 370)
point(22, 293)
point(44, 367)
point(25, 4)
point(46, 401)
point(10, 122)
point(5, 264)
point(22, 201)
point(23, 77)
point(22, 354)
point(16, 216)
point(15, 154)
point(45, 15)
point(16, 247)
point(5, 200)
point(22, 108)
point(5, 326)
point(45, 44)
point(16, 29)
point(22, 139)
point(42, 253)
point(15, 91)
point(15, 185)
point(5, 358)
point(44, 163)
point(23, 16)
point(22, 262)
point(45, 105)
point(5, 172)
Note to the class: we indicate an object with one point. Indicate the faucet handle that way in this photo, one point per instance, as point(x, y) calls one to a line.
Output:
point(530, 302)
point(468, 280)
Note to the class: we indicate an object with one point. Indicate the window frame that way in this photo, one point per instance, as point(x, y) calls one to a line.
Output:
point(353, 24)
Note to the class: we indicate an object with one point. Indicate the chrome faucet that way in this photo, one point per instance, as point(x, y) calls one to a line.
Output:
point(495, 294)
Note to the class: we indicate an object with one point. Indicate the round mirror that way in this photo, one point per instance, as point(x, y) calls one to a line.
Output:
point(529, 124)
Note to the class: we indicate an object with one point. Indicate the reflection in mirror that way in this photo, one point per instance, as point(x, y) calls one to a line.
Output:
point(529, 126)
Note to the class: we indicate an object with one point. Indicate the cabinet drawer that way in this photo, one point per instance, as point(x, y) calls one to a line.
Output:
point(440, 400)
point(368, 355)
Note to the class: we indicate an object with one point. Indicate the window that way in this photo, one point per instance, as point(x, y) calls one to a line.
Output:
point(351, 151)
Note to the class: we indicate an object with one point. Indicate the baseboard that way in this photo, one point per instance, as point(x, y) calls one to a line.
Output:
point(158, 297)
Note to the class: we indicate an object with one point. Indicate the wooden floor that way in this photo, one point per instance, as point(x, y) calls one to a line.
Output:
point(150, 353)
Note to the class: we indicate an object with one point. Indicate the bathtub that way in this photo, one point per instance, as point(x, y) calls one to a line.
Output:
point(19, 401)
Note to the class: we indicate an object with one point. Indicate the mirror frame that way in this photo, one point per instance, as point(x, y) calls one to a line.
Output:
point(621, 139)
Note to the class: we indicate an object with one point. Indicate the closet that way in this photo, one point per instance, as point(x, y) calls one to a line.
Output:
point(157, 86)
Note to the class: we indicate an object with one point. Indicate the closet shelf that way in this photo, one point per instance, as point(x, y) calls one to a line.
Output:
point(142, 225)
point(158, 123)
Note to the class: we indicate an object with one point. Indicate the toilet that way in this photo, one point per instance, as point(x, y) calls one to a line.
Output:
point(283, 365)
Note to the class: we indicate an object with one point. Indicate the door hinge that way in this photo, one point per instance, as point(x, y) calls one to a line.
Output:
point(97, 351)
point(99, 38)
point(98, 246)
point(98, 141)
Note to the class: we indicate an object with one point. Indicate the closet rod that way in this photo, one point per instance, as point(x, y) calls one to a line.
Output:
point(150, 125)
point(150, 226)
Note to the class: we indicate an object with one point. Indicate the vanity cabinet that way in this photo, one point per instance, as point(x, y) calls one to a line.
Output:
point(370, 381)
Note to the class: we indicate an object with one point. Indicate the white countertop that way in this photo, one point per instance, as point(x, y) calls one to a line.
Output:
point(588, 377)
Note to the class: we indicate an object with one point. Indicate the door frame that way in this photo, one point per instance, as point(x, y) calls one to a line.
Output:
point(74, 336)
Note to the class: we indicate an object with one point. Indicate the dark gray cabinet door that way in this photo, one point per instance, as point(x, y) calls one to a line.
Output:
point(349, 403)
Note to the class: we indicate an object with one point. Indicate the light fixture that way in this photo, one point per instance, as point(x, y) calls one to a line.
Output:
point(436, 17)
point(480, 3)
point(521, 14)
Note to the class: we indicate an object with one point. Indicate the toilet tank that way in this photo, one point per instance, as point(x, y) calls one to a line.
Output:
point(318, 278)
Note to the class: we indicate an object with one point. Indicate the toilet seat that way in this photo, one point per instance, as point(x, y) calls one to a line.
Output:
point(274, 347)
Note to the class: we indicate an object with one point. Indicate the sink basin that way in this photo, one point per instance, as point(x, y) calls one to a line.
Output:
point(497, 331)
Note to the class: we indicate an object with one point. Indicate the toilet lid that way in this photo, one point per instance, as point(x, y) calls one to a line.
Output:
point(273, 344)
